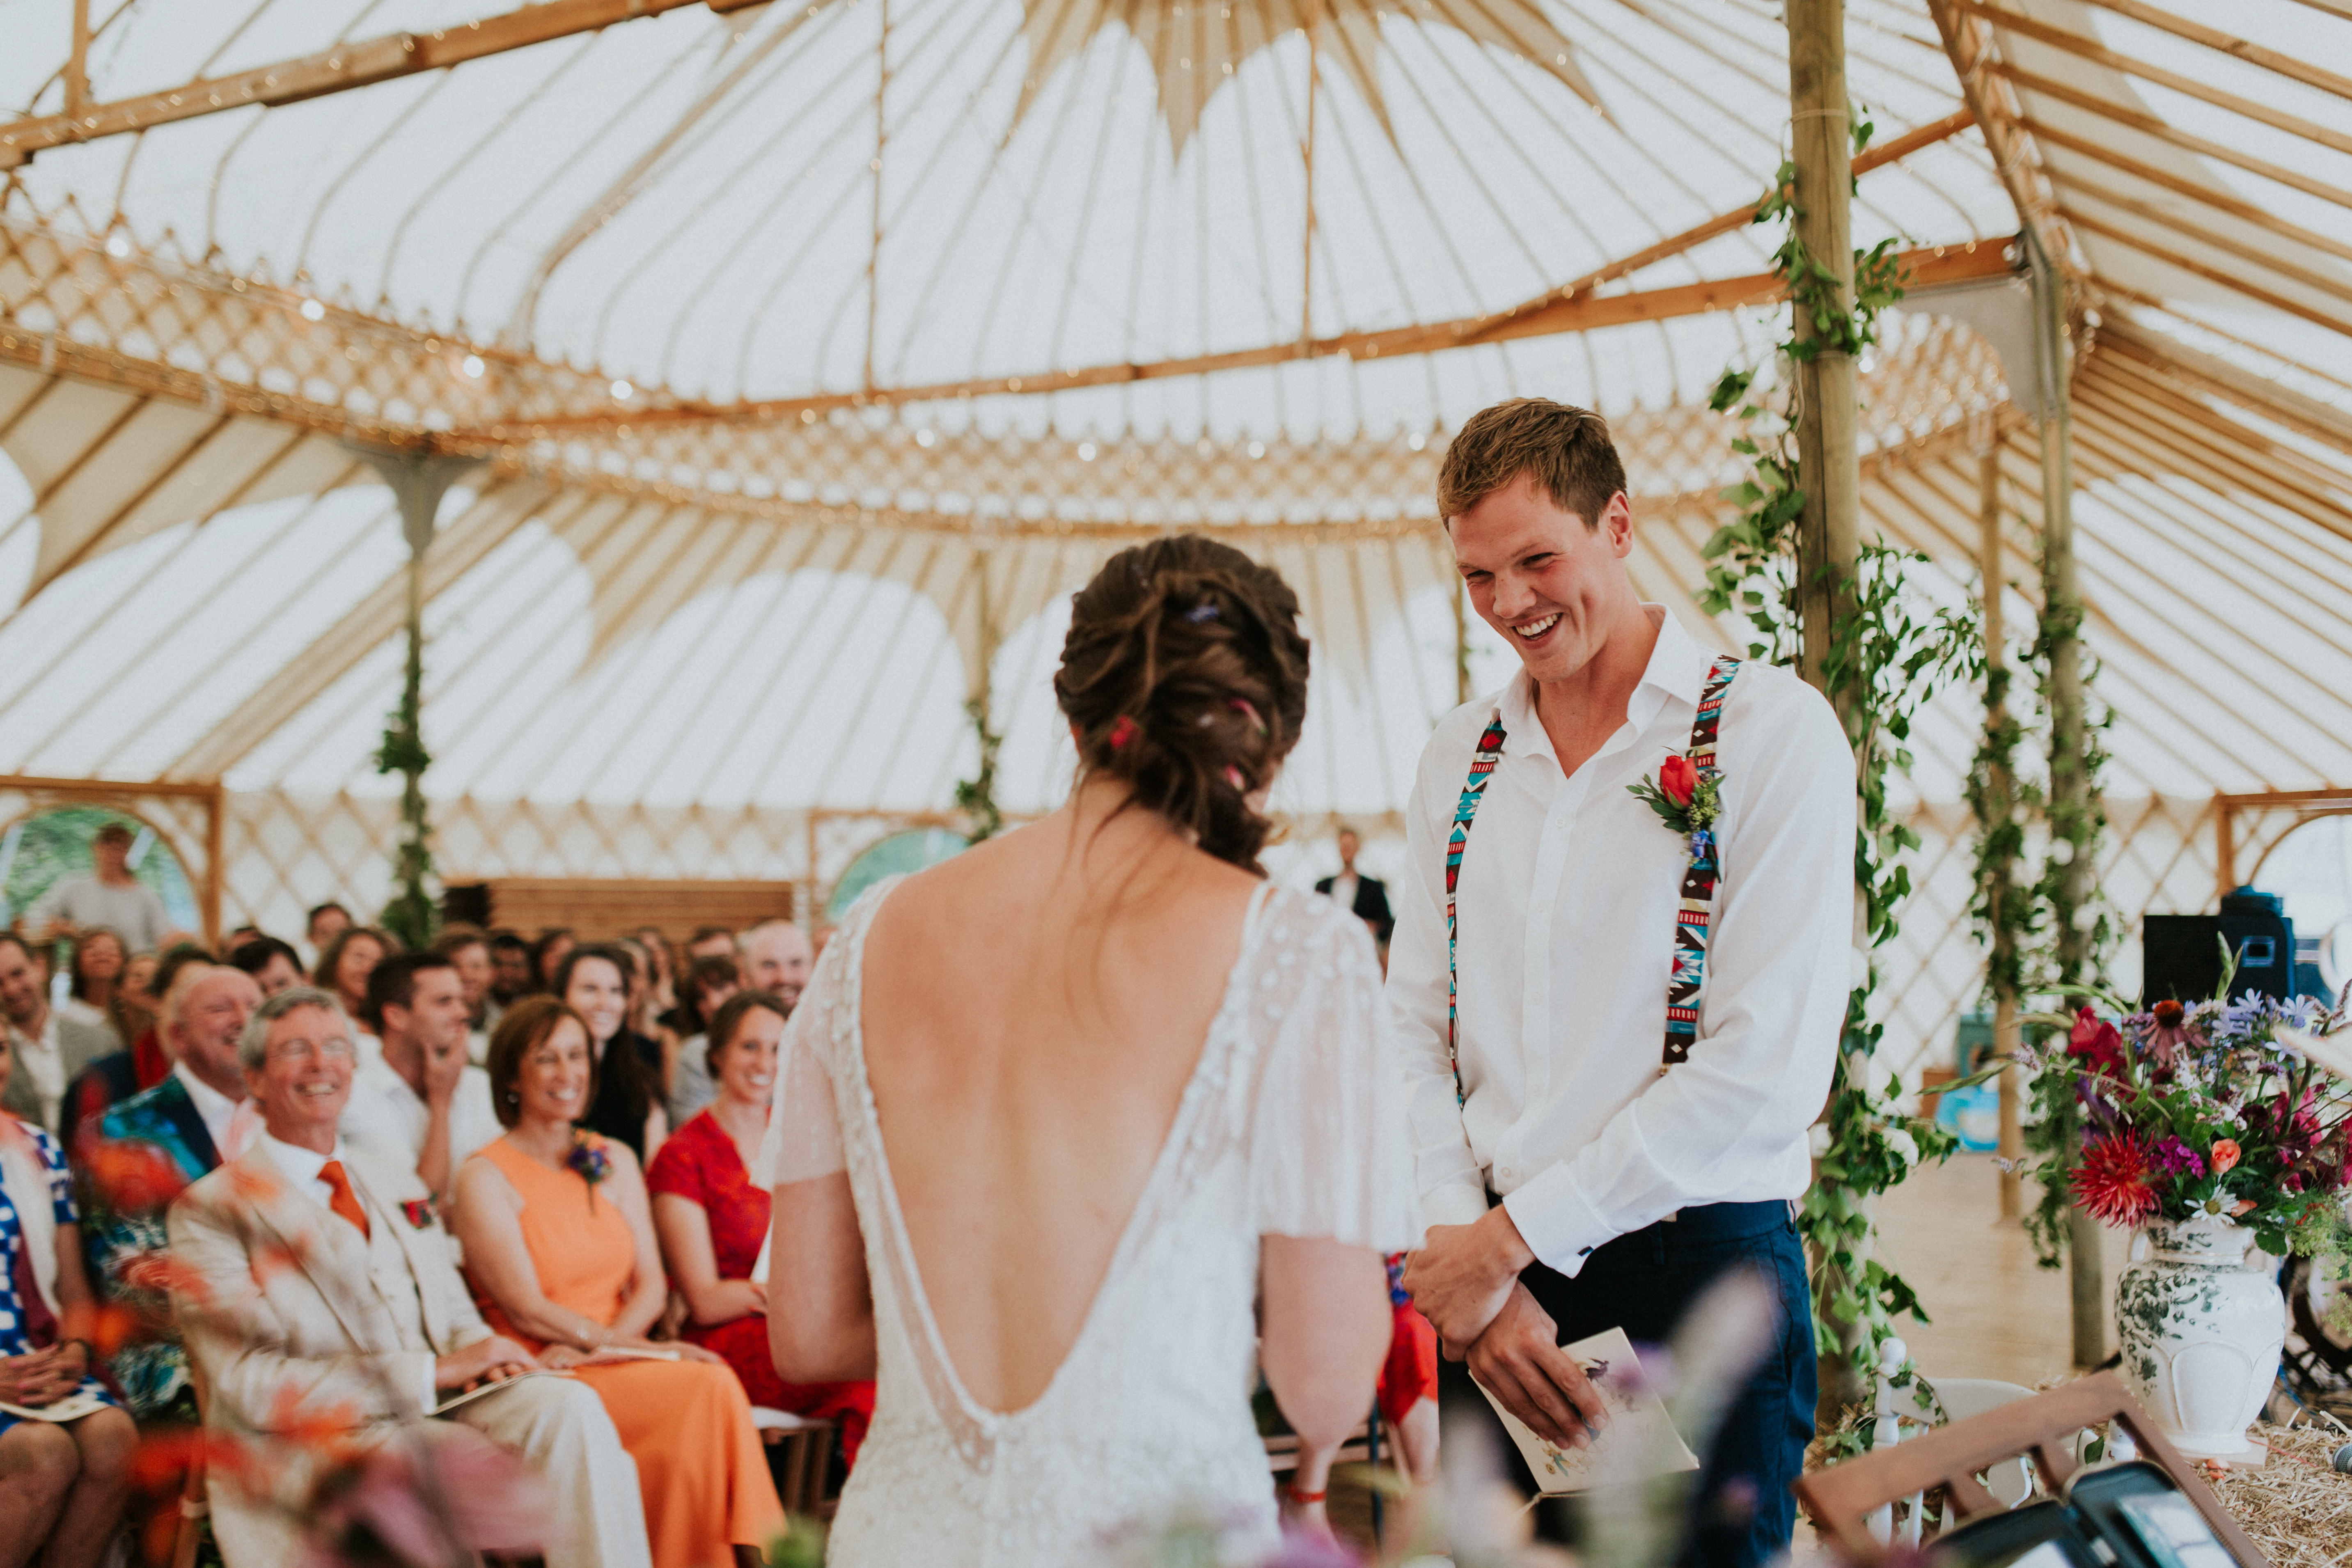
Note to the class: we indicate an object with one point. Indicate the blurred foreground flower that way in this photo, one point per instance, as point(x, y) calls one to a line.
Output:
point(411, 1505)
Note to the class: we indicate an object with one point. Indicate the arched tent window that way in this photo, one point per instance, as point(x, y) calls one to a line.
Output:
point(40, 848)
point(2311, 870)
point(913, 850)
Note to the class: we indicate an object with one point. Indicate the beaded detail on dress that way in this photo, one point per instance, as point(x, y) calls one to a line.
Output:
point(1292, 1124)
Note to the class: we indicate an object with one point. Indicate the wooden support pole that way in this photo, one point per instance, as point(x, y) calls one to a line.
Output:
point(2070, 802)
point(1829, 533)
point(1822, 142)
point(78, 62)
point(2000, 795)
point(215, 874)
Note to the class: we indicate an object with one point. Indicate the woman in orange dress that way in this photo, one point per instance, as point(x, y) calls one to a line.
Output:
point(560, 1247)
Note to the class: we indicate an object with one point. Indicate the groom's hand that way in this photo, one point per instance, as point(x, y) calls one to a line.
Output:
point(1462, 1275)
point(1520, 1362)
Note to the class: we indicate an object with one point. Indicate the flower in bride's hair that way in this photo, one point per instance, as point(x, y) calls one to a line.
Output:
point(1122, 731)
point(1233, 777)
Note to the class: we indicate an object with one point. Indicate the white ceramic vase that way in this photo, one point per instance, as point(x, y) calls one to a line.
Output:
point(2201, 1332)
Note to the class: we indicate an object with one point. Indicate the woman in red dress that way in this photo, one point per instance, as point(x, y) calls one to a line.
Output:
point(713, 1221)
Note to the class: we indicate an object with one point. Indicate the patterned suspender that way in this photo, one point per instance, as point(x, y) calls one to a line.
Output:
point(1703, 871)
point(1481, 768)
point(1700, 877)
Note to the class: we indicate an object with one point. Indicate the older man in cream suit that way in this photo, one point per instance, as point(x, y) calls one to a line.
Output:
point(315, 1286)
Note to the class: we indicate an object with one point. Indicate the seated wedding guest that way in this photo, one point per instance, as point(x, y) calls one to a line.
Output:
point(323, 925)
point(664, 999)
point(710, 942)
point(627, 1106)
point(234, 941)
point(131, 1008)
point(420, 1103)
point(115, 1077)
point(708, 984)
point(63, 1484)
point(142, 1151)
point(107, 895)
point(547, 954)
point(776, 956)
point(1366, 898)
point(469, 947)
point(317, 1290)
point(559, 1245)
point(351, 956)
point(713, 1223)
point(51, 1049)
point(100, 959)
point(274, 964)
point(643, 1020)
point(511, 979)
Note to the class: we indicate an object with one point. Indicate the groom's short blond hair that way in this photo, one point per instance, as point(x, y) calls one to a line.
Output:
point(1567, 451)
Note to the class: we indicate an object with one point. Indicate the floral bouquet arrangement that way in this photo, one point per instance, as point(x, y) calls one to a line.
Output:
point(2236, 1111)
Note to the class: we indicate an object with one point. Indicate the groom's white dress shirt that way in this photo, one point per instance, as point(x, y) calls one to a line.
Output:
point(1567, 906)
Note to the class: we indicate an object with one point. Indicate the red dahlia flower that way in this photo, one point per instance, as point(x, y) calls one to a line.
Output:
point(2097, 1043)
point(2116, 1183)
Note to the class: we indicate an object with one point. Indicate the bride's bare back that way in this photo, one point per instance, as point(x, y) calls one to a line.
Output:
point(1033, 1011)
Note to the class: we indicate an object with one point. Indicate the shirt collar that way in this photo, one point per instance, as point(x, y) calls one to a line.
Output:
point(211, 1104)
point(46, 1040)
point(300, 1165)
point(1676, 670)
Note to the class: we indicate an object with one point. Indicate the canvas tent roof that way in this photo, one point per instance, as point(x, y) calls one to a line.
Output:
point(813, 352)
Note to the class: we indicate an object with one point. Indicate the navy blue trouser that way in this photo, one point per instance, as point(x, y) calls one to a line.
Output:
point(1644, 1283)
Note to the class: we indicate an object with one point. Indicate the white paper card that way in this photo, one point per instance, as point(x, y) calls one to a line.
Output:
point(1640, 1439)
point(72, 1408)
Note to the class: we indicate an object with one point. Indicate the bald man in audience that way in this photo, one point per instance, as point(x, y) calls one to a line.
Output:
point(143, 1151)
point(776, 956)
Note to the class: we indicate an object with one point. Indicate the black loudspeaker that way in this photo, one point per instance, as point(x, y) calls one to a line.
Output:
point(466, 903)
point(2181, 955)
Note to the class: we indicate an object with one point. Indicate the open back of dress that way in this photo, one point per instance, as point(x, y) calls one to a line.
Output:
point(1292, 1124)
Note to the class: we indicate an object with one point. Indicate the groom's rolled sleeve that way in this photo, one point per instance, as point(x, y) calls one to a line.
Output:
point(1778, 971)
point(1452, 1186)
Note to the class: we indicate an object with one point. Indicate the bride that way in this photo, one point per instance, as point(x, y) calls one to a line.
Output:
point(1073, 1127)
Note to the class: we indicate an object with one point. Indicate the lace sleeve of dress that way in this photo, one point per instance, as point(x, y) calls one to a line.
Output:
point(803, 1139)
point(1329, 1156)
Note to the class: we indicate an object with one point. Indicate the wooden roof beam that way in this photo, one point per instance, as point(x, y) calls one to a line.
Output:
point(1925, 267)
point(2090, 50)
point(337, 70)
point(1968, 44)
point(2165, 21)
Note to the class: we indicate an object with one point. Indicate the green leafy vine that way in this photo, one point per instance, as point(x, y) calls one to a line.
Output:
point(976, 796)
point(1889, 655)
point(411, 915)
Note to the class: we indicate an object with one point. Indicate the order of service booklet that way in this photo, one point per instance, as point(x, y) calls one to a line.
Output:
point(1639, 1429)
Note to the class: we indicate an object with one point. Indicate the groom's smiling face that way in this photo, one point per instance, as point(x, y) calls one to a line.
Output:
point(1547, 583)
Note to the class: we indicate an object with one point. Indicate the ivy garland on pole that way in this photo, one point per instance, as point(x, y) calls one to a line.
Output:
point(1886, 661)
point(2080, 936)
point(410, 916)
point(976, 796)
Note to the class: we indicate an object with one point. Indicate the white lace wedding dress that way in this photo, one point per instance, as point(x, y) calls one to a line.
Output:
point(1292, 1124)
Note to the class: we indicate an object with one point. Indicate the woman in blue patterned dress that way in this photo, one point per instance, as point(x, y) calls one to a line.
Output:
point(63, 1484)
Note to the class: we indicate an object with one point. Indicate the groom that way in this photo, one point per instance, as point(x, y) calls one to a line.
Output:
point(1610, 1112)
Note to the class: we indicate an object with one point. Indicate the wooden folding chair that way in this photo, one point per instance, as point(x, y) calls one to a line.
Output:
point(1951, 1462)
point(805, 1461)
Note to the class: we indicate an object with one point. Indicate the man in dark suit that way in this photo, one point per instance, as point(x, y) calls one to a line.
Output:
point(1366, 897)
point(140, 1153)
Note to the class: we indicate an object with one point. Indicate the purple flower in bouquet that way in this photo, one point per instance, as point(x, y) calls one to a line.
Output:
point(2175, 1157)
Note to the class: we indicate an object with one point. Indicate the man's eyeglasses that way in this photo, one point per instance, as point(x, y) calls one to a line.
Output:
point(335, 1050)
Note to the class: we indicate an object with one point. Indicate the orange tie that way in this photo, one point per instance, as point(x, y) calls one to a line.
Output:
point(341, 1200)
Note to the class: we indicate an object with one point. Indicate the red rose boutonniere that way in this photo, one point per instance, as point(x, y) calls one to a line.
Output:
point(1686, 798)
point(420, 1212)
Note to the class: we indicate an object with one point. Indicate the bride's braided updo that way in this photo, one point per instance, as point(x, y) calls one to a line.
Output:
point(1185, 675)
